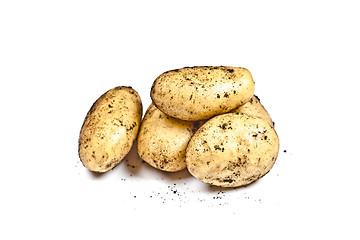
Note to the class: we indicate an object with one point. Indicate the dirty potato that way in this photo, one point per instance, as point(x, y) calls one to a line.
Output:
point(254, 108)
point(110, 128)
point(198, 93)
point(162, 140)
point(232, 150)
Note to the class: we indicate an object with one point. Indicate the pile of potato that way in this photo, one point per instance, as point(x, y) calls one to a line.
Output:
point(205, 119)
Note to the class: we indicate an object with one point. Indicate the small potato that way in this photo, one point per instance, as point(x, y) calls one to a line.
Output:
point(199, 93)
point(110, 128)
point(232, 150)
point(162, 140)
point(255, 109)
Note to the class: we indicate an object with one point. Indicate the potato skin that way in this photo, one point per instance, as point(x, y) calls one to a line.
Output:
point(110, 128)
point(199, 93)
point(254, 108)
point(232, 150)
point(162, 140)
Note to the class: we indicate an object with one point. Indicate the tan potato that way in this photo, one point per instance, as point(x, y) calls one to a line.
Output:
point(110, 128)
point(199, 93)
point(162, 140)
point(254, 108)
point(232, 150)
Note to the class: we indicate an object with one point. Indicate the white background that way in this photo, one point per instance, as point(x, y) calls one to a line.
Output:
point(58, 57)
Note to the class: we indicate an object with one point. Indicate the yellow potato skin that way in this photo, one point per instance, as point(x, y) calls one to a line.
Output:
point(232, 150)
point(199, 93)
point(162, 140)
point(110, 128)
point(254, 108)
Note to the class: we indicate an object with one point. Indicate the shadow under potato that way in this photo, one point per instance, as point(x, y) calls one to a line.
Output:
point(213, 188)
point(132, 161)
point(182, 174)
point(96, 174)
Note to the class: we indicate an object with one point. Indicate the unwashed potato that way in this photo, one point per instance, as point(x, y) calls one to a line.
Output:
point(232, 150)
point(110, 128)
point(254, 108)
point(199, 93)
point(162, 140)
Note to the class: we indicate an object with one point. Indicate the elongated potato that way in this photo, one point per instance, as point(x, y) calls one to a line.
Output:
point(162, 140)
point(254, 108)
point(110, 128)
point(232, 150)
point(198, 93)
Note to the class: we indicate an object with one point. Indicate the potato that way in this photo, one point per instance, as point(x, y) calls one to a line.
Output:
point(255, 109)
point(162, 140)
point(110, 128)
point(199, 93)
point(232, 150)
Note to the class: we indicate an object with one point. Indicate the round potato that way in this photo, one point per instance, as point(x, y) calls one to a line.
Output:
point(110, 128)
point(199, 93)
point(255, 109)
point(232, 150)
point(162, 140)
